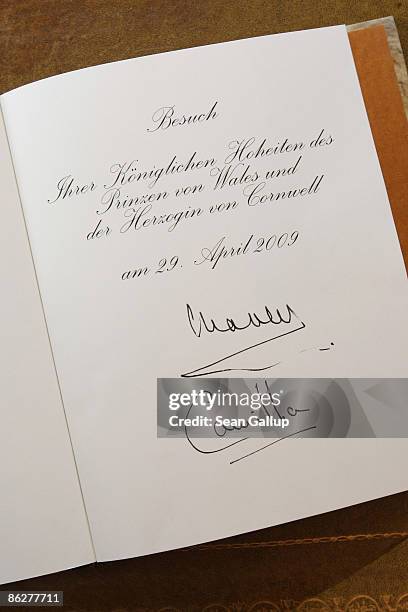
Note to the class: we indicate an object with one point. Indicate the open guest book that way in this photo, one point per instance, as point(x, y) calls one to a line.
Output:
point(145, 204)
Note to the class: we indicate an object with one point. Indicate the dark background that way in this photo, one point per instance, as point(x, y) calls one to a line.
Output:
point(352, 559)
point(39, 38)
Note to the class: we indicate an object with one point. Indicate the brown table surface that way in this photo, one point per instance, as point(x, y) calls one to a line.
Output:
point(351, 559)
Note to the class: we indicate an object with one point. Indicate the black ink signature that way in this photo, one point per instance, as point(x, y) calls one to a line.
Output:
point(220, 434)
point(258, 450)
point(253, 320)
point(200, 323)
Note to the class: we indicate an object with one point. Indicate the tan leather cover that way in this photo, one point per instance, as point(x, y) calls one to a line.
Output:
point(387, 119)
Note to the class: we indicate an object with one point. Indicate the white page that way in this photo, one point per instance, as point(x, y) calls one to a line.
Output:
point(112, 338)
point(43, 526)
